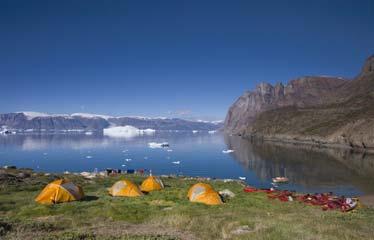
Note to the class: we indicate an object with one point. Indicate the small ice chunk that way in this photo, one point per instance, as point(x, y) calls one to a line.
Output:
point(228, 151)
point(158, 145)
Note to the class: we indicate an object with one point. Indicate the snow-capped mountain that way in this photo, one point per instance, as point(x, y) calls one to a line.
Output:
point(35, 121)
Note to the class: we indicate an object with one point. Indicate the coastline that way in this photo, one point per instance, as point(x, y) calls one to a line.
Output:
point(310, 141)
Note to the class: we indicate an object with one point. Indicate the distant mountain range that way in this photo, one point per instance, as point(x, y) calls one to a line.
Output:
point(320, 110)
point(33, 121)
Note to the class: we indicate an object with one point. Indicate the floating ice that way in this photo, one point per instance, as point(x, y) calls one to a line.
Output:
point(127, 131)
point(242, 178)
point(148, 131)
point(128, 159)
point(194, 131)
point(176, 162)
point(228, 151)
point(88, 156)
point(212, 132)
point(88, 133)
point(169, 150)
point(158, 145)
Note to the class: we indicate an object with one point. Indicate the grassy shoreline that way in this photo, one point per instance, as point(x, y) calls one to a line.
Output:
point(166, 214)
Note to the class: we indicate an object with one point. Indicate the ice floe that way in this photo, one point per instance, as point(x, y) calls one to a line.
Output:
point(228, 151)
point(158, 145)
point(126, 131)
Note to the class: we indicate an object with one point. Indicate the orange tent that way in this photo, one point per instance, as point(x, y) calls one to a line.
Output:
point(125, 188)
point(59, 191)
point(152, 183)
point(204, 193)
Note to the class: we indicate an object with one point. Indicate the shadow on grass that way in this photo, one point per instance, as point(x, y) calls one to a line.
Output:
point(90, 198)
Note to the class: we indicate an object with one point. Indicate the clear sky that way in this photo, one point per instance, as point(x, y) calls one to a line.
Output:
point(178, 58)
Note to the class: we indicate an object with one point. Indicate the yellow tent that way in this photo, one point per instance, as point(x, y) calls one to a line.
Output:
point(151, 184)
point(204, 193)
point(59, 191)
point(125, 188)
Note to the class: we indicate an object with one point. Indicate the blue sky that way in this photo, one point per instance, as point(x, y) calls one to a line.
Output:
point(188, 59)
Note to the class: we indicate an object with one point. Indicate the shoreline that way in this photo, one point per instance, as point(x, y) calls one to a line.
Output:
point(306, 141)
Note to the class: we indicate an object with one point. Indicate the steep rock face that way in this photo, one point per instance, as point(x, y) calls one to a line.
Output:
point(331, 111)
point(301, 92)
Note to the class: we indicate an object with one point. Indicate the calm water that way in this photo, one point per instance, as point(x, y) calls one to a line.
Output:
point(309, 169)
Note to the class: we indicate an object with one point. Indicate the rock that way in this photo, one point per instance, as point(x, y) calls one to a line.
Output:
point(317, 110)
point(304, 91)
point(23, 175)
point(9, 178)
point(226, 193)
point(88, 175)
point(368, 66)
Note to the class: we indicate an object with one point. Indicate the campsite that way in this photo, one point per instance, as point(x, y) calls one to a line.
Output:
point(164, 214)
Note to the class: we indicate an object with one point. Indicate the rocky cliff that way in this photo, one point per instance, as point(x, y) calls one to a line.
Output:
point(309, 109)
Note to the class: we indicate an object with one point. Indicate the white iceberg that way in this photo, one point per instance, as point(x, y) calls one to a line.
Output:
point(147, 131)
point(228, 151)
point(212, 132)
point(176, 162)
point(194, 131)
point(88, 133)
point(127, 131)
point(158, 145)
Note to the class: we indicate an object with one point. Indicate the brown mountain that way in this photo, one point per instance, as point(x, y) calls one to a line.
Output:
point(319, 110)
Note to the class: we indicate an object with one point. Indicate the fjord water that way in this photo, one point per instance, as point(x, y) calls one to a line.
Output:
point(309, 169)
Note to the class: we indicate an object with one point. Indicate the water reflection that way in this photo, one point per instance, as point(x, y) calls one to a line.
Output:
point(308, 166)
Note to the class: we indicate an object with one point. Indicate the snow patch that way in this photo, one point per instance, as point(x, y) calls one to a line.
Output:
point(89, 115)
point(32, 115)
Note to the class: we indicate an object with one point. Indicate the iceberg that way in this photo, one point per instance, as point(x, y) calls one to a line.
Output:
point(228, 151)
point(212, 132)
point(126, 132)
point(147, 131)
point(158, 145)
point(194, 131)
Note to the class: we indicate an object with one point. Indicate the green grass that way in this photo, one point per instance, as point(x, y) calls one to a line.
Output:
point(168, 214)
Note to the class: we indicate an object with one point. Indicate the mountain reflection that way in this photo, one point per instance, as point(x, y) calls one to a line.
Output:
point(304, 165)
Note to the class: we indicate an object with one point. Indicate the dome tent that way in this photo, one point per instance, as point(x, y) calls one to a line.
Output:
point(125, 188)
point(204, 193)
point(152, 183)
point(59, 191)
